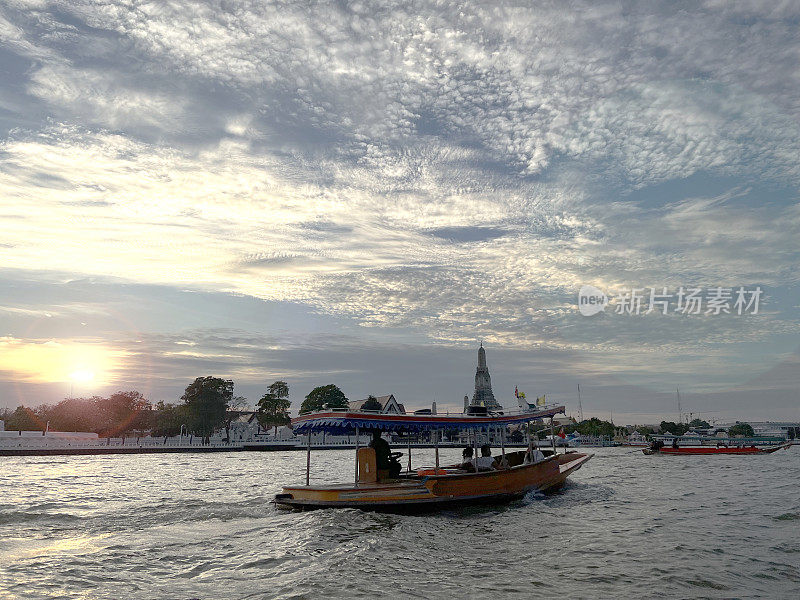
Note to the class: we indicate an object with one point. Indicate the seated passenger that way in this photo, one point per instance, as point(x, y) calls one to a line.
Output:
point(466, 460)
point(533, 456)
point(501, 462)
point(485, 462)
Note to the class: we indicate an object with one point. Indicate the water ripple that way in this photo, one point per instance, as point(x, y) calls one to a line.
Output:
point(201, 526)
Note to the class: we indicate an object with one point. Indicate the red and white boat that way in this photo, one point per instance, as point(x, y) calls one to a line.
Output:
point(730, 446)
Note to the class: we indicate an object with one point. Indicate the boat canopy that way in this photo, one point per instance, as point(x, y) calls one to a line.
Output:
point(345, 422)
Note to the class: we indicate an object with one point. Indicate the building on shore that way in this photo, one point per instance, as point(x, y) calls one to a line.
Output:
point(789, 430)
point(389, 405)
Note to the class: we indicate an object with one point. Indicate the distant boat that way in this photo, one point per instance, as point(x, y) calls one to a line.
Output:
point(706, 446)
point(635, 439)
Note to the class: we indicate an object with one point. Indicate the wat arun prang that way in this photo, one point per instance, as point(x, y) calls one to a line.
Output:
point(483, 395)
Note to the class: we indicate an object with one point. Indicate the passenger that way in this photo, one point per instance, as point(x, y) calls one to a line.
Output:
point(533, 457)
point(485, 462)
point(502, 463)
point(466, 459)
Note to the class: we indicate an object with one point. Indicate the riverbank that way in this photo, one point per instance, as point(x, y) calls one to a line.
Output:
point(33, 447)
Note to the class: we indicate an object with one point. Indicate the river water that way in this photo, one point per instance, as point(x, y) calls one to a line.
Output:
point(201, 526)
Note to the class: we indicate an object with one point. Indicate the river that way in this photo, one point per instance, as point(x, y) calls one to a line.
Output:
point(201, 526)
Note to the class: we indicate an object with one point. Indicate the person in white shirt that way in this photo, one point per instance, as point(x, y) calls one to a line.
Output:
point(485, 462)
point(534, 457)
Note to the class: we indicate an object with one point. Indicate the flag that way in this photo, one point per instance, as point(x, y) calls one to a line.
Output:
point(516, 392)
point(561, 434)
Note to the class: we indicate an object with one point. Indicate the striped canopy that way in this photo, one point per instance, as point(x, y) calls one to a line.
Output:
point(340, 423)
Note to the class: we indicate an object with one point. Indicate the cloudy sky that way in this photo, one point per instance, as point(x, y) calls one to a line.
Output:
point(359, 193)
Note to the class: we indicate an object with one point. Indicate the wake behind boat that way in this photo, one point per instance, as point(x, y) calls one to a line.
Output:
point(508, 476)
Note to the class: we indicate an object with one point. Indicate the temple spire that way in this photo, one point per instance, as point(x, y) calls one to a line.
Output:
point(483, 395)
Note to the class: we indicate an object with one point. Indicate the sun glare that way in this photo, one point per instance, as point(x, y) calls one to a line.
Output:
point(55, 361)
point(82, 376)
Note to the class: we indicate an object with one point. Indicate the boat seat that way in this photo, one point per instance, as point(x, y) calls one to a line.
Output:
point(367, 465)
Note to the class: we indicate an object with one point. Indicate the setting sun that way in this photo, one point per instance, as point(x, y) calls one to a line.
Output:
point(57, 361)
point(82, 376)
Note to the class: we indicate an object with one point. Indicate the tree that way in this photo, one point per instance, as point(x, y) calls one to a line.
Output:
point(74, 414)
point(595, 427)
point(24, 419)
point(699, 424)
point(741, 429)
point(206, 400)
point(673, 428)
point(273, 408)
point(168, 418)
point(371, 403)
point(644, 430)
point(323, 398)
point(120, 413)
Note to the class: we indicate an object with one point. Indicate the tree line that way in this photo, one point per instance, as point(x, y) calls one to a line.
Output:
point(597, 427)
point(738, 429)
point(206, 406)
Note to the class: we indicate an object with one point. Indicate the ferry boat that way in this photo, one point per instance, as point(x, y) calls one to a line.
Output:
point(512, 475)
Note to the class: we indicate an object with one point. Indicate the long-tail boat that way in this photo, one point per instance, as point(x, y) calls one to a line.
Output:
point(513, 475)
point(699, 445)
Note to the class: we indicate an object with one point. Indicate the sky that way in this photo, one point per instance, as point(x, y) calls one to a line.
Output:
point(361, 193)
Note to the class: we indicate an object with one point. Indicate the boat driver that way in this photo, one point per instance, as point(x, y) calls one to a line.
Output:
point(383, 454)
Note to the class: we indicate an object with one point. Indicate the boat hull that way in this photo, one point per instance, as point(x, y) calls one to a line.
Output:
point(434, 492)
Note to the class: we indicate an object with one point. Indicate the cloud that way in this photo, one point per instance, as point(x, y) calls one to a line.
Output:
point(468, 234)
point(453, 171)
